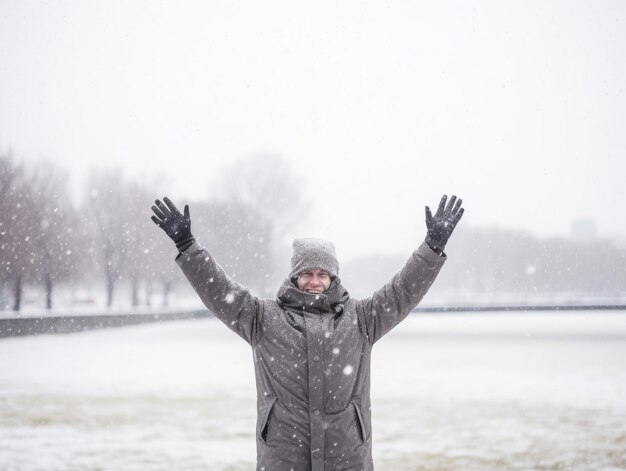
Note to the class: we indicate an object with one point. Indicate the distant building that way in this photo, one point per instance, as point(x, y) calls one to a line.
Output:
point(584, 230)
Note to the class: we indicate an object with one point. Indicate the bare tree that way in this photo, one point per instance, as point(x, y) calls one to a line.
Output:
point(150, 255)
point(107, 200)
point(259, 202)
point(15, 219)
point(52, 233)
point(137, 227)
point(8, 173)
point(268, 185)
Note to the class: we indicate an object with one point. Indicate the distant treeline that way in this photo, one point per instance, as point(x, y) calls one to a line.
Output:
point(521, 266)
point(109, 240)
point(488, 265)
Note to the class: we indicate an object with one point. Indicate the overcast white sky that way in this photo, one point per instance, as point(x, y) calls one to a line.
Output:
point(519, 107)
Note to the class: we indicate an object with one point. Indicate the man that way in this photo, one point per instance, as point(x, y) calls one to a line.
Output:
point(312, 344)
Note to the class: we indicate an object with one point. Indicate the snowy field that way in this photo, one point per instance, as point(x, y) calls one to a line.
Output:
point(527, 391)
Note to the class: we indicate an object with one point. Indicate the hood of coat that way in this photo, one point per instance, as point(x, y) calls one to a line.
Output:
point(331, 300)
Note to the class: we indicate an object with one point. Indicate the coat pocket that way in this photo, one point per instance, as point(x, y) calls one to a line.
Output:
point(362, 429)
point(263, 415)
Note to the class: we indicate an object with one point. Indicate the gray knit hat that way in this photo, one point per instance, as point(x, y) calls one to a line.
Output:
point(313, 254)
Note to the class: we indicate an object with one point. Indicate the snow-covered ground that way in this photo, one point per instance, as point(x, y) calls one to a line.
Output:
point(526, 391)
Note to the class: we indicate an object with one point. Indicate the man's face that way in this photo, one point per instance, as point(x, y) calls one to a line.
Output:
point(314, 281)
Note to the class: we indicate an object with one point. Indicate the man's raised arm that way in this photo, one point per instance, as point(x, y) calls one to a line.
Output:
point(232, 303)
point(389, 305)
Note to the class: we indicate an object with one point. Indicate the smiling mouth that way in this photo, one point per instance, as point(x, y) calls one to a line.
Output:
point(314, 291)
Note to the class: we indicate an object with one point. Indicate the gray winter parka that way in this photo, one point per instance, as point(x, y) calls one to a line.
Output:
point(311, 358)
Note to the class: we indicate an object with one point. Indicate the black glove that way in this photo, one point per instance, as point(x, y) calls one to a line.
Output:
point(440, 226)
point(176, 225)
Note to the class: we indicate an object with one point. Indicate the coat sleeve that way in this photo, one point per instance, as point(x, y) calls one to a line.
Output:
point(229, 301)
point(389, 305)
